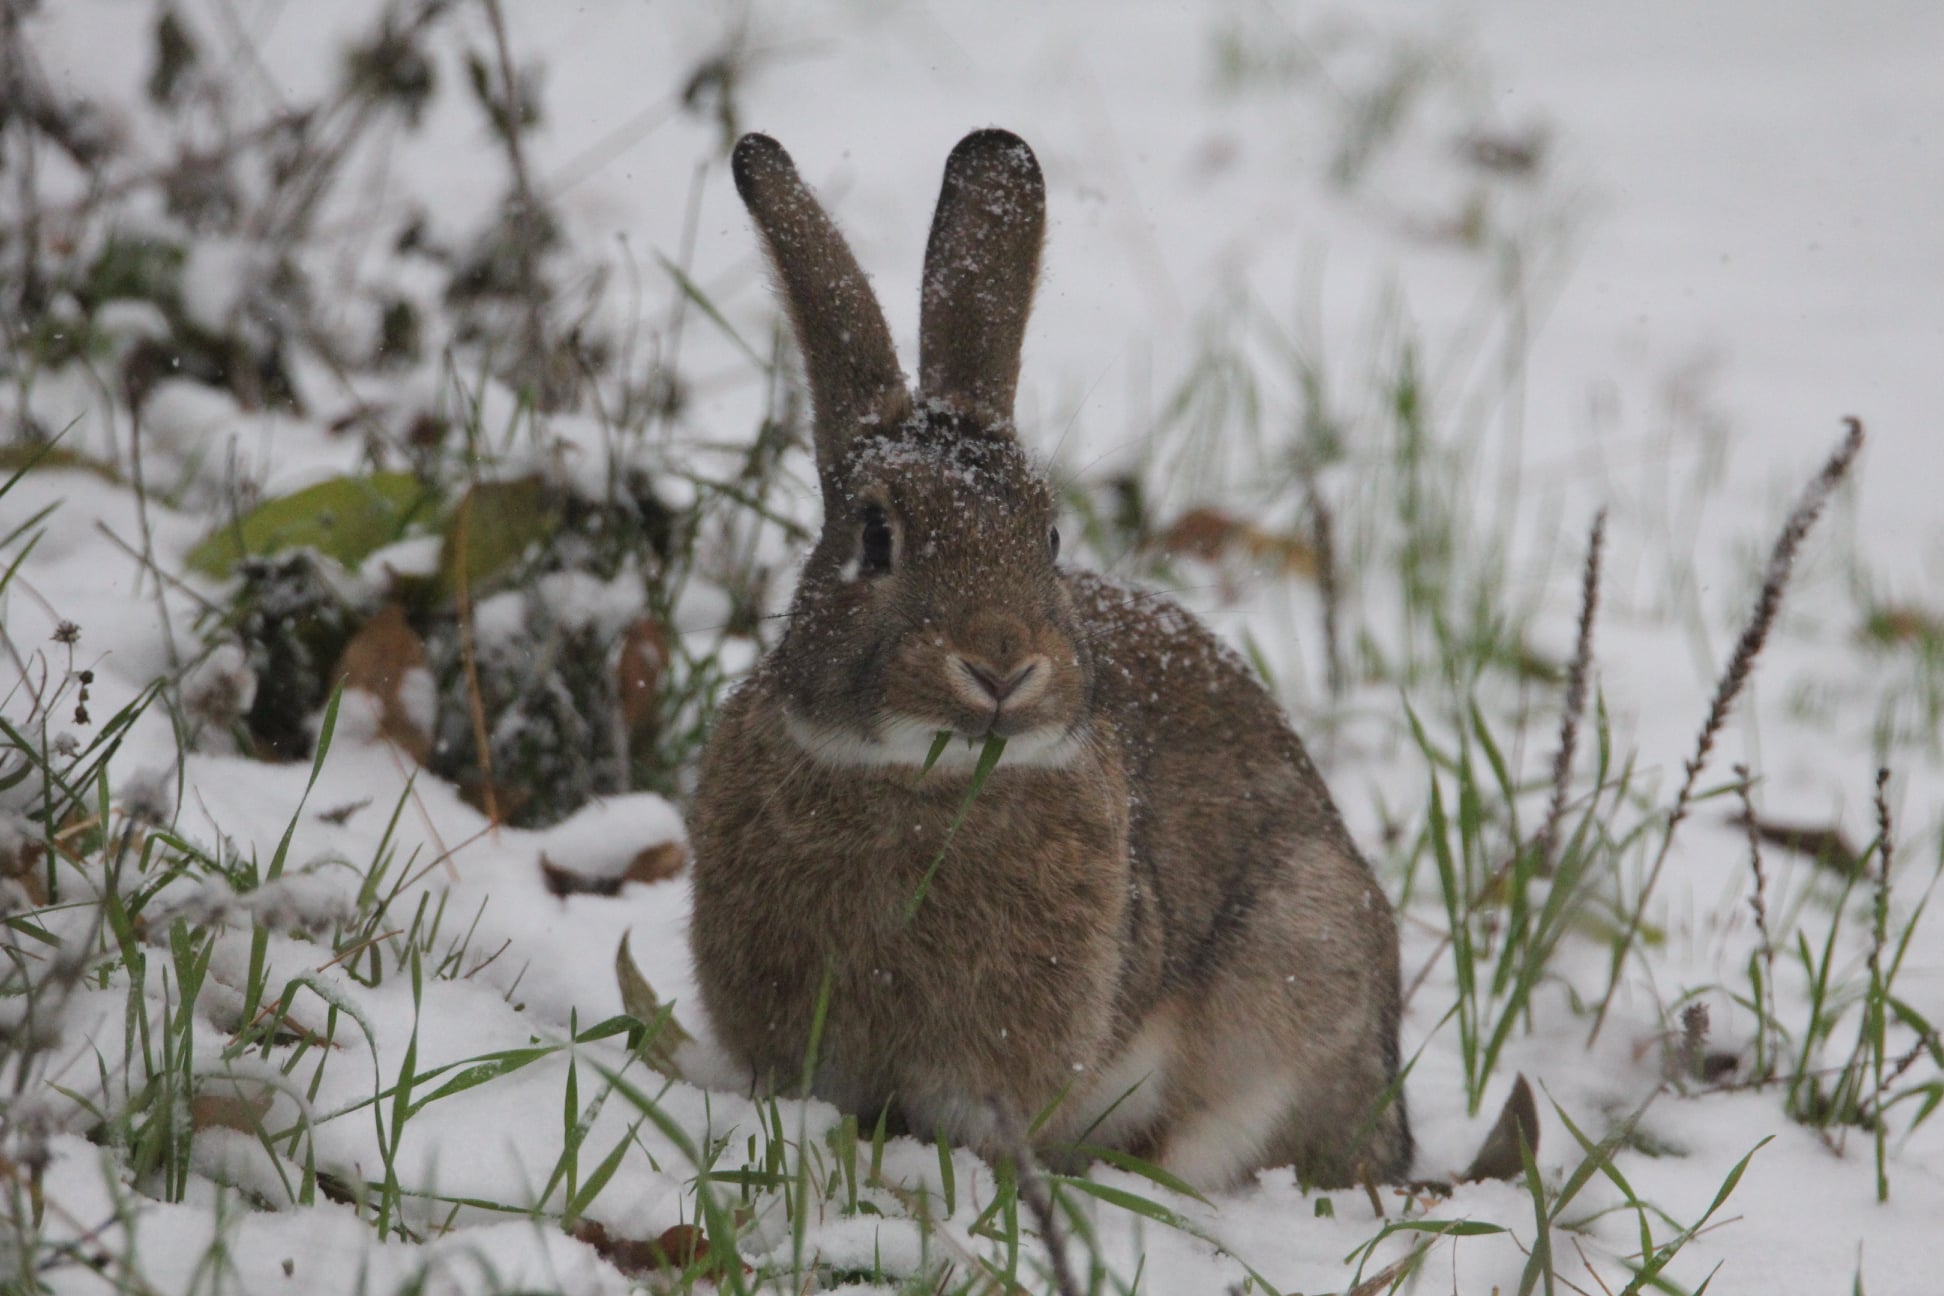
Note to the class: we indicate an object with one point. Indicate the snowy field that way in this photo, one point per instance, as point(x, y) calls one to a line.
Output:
point(1463, 275)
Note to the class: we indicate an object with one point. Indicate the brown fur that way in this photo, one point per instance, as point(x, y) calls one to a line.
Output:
point(981, 264)
point(1151, 921)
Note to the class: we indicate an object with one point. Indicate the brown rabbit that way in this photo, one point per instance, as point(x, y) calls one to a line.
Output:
point(1151, 927)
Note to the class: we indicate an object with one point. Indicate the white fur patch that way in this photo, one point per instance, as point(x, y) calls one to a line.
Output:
point(1128, 1096)
point(964, 1117)
point(905, 741)
point(1211, 1149)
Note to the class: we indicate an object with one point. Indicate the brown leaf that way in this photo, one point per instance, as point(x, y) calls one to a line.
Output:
point(1499, 1157)
point(500, 802)
point(1211, 535)
point(377, 660)
point(1203, 533)
point(625, 1254)
point(639, 1001)
point(644, 656)
point(1826, 845)
point(233, 1110)
point(20, 863)
point(564, 882)
point(657, 863)
point(680, 1247)
point(683, 1245)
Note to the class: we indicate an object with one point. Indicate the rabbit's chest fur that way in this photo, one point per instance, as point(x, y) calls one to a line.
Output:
point(1006, 983)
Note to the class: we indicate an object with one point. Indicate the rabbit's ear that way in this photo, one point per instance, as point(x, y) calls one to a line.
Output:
point(980, 266)
point(840, 328)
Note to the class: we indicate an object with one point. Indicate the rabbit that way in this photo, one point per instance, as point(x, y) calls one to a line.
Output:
point(1151, 930)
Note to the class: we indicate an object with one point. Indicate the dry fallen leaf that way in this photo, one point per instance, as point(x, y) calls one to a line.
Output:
point(378, 660)
point(1825, 844)
point(680, 1247)
point(229, 1109)
point(655, 863)
point(638, 673)
point(1500, 1157)
point(1211, 535)
point(20, 863)
point(639, 1001)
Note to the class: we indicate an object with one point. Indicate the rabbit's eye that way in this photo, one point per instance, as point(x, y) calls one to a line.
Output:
point(875, 543)
point(1053, 543)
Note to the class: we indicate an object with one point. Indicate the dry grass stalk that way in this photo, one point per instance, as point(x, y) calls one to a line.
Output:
point(1547, 843)
point(1880, 906)
point(1033, 1190)
point(526, 211)
point(1741, 664)
point(1883, 827)
point(1758, 902)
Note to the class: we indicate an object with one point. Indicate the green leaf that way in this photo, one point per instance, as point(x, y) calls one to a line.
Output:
point(490, 1067)
point(1133, 1203)
point(709, 308)
point(938, 746)
point(947, 1179)
point(602, 1173)
point(20, 458)
point(1539, 1261)
point(988, 760)
point(344, 518)
point(492, 529)
point(1145, 1169)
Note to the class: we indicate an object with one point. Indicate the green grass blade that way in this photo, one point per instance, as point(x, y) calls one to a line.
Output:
point(988, 760)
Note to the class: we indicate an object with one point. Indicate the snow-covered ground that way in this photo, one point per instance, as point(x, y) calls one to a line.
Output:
point(1727, 243)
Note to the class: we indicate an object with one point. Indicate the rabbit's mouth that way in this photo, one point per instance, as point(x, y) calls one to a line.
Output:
point(907, 741)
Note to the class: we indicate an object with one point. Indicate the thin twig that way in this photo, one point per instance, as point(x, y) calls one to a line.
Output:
point(339, 123)
point(140, 482)
point(526, 228)
point(1038, 1196)
point(461, 541)
point(14, 74)
point(1547, 843)
point(1901, 1065)
point(175, 583)
point(1740, 665)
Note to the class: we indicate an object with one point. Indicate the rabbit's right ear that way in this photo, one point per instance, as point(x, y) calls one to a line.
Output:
point(847, 351)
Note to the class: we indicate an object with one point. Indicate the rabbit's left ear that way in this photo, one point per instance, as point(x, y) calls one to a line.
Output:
point(980, 268)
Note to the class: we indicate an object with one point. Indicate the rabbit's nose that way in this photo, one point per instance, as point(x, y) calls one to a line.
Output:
point(982, 685)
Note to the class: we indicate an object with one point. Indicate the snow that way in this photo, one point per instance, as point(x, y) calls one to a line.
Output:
point(603, 837)
point(1737, 245)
